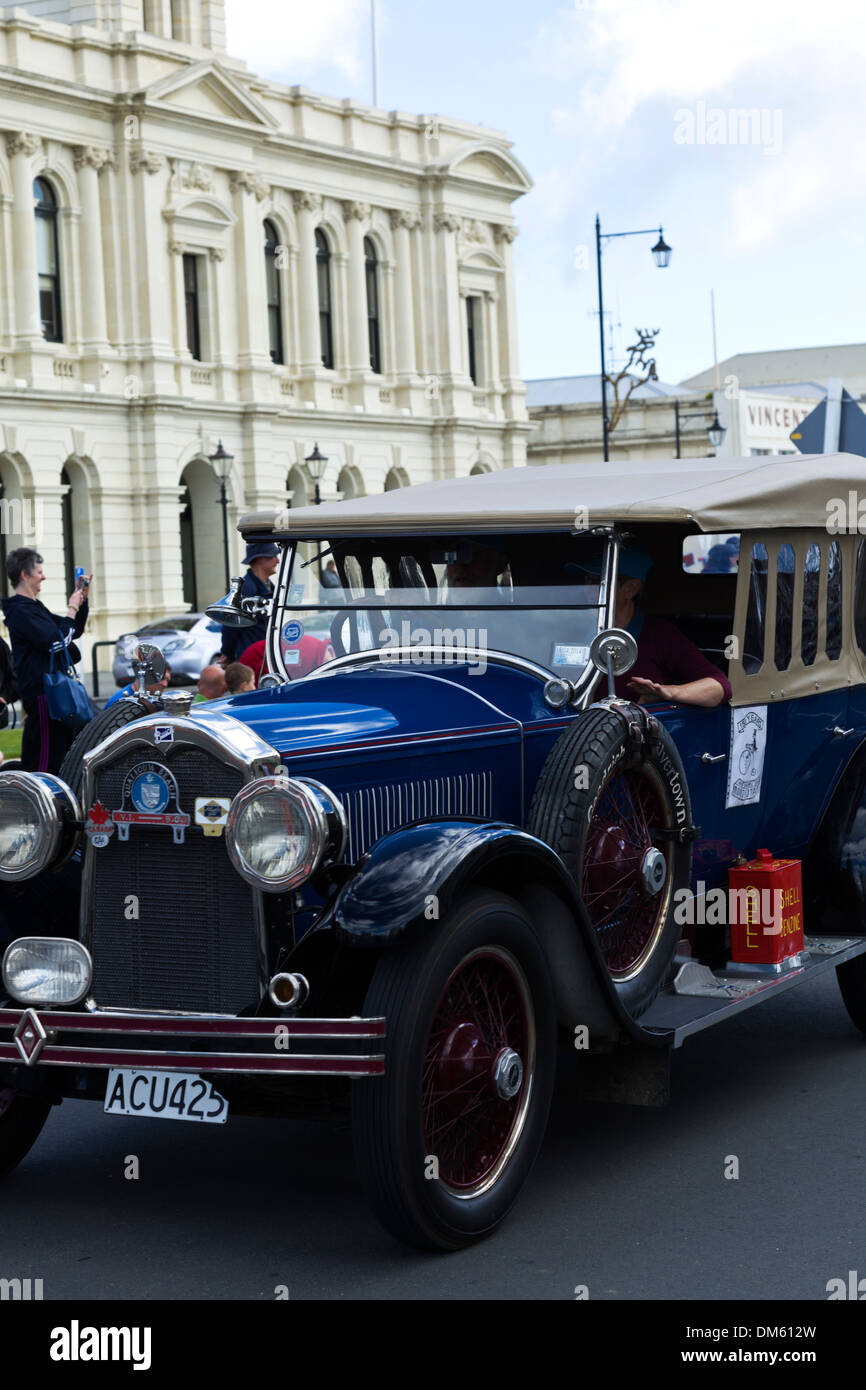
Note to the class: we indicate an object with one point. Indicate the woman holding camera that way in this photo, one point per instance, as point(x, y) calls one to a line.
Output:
point(35, 631)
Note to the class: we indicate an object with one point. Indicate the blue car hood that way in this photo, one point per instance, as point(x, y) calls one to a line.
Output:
point(361, 707)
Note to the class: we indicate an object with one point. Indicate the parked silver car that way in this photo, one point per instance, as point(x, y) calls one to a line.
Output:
point(190, 642)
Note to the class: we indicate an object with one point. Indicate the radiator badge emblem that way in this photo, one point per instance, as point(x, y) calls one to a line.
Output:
point(211, 813)
point(163, 733)
point(99, 825)
point(150, 797)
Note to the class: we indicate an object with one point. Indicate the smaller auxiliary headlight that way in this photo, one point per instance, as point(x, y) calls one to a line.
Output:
point(280, 829)
point(47, 970)
point(38, 830)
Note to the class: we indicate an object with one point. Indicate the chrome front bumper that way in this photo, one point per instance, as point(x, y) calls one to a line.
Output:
point(350, 1047)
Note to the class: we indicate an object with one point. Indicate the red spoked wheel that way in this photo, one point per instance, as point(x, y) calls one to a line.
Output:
point(479, 1065)
point(628, 868)
point(619, 816)
point(445, 1140)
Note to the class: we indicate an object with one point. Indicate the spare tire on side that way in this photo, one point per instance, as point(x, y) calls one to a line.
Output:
point(616, 809)
point(100, 726)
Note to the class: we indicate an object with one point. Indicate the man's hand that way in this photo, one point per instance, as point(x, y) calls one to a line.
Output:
point(707, 692)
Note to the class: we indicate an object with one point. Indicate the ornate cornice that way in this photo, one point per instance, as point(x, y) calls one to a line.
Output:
point(505, 232)
point(446, 222)
point(145, 161)
point(190, 174)
point(305, 201)
point(353, 211)
point(89, 156)
point(248, 181)
point(22, 142)
point(400, 217)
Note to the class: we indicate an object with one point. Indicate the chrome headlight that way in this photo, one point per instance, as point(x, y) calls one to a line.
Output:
point(37, 823)
point(280, 829)
point(47, 970)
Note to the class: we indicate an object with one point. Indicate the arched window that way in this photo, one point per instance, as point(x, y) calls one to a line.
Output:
point(275, 303)
point(323, 269)
point(372, 275)
point(48, 261)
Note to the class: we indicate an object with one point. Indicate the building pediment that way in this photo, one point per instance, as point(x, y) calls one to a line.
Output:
point(484, 163)
point(208, 90)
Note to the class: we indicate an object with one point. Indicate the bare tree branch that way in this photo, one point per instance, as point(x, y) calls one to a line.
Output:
point(637, 362)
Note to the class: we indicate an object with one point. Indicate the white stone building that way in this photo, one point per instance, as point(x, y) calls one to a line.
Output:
point(566, 414)
point(189, 254)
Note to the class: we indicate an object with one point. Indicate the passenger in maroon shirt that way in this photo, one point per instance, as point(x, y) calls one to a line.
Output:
point(668, 666)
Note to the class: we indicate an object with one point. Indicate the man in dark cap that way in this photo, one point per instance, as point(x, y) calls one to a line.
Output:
point(262, 559)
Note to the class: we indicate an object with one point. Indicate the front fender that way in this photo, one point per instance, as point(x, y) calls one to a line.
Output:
point(411, 877)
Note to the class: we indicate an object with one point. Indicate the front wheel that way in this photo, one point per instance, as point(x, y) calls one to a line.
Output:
point(445, 1140)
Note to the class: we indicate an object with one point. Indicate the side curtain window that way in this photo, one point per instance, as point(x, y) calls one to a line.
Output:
point(784, 606)
point(860, 598)
point(756, 612)
point(834, 601)
point(811, 578)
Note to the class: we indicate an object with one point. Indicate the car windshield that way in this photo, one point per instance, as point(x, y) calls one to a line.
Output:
point(535, 597)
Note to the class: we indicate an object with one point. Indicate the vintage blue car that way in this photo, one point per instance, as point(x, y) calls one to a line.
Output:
point(462, 849)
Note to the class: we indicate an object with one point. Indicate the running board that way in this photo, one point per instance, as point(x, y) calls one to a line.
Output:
point(707, 997)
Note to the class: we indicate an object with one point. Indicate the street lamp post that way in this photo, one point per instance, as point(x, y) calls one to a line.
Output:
point(316, 462)
point(715, 433)
point(661, 253)
point(222, 466)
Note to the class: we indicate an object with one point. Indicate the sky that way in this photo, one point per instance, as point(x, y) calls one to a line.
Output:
point(628, 109)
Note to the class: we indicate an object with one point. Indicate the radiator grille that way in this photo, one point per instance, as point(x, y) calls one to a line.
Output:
point(194, 944)
point(374, 811)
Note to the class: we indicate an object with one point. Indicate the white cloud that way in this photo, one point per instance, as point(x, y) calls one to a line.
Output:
point(627, 52)
point(278, 40)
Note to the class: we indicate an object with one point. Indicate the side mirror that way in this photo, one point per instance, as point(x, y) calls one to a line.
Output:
point(229, 613)
point(613, 652)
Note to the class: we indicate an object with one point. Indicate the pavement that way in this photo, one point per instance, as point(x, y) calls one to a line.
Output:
point(632, 1203)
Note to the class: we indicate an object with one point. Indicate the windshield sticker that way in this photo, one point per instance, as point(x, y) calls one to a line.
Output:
point(565, 655)
point(293, 631)
point(296, 593)
point(746, 763)
point(292, 657)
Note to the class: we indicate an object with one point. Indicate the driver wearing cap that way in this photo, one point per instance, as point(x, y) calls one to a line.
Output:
point(668, 665)
point(261, 559)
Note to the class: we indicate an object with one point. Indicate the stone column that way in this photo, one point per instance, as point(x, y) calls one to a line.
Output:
point(452, 310)
point(515, 391)
point(152, 283)
point(20, 147)
point(491, 341)
point(308, 208)
point(88, 162)
point(253, 353)
point(356, 215)
point(177, 250)
point(403, 225)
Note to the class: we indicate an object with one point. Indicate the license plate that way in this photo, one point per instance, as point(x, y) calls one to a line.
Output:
point(164, 1095)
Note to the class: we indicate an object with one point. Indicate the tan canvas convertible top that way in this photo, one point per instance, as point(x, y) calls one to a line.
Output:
point(722, 494)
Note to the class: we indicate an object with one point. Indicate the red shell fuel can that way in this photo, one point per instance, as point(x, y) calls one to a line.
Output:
point(765, 899)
